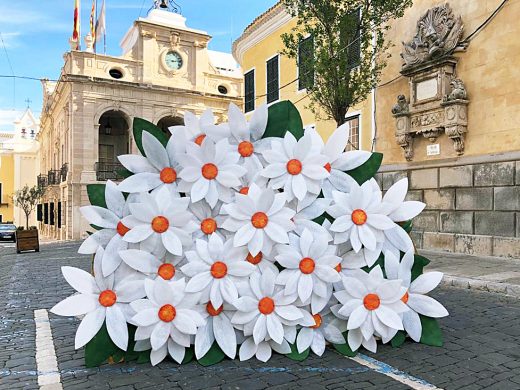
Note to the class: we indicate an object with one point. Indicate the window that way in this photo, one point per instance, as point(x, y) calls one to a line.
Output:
point(46, 213)
point(249, 93)
point(39, 213)
point(51, 213)
point(272, 80)
point(350, 38)
point(353, 143)
point(222, 89)
point(306, 63)
point(106, 153)
point(59, 215)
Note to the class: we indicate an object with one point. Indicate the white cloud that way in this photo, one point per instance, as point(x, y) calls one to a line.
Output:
point(10, 39)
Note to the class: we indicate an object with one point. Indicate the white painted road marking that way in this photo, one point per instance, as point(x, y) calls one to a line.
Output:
point(48, 375)
point(394, 373)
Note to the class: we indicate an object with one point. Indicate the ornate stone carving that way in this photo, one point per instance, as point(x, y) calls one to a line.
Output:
point(438, 99)
point(438, 34)
point(401, 107)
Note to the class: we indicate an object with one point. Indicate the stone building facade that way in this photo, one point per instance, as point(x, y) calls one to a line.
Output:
point(166, 70)
point(445, 114)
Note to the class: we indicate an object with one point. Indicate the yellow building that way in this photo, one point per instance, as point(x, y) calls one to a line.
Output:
point(18, 166)
point(454, 129)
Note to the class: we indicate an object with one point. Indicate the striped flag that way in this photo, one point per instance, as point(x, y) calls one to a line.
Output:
point(93, 22)
point(100, 25)
point(75, 31)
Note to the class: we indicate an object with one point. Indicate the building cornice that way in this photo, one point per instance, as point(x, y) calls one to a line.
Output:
point(264, 25)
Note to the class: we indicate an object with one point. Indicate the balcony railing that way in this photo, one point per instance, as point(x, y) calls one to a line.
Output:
point(53, 177)
point(42, 181)
point(108, 171)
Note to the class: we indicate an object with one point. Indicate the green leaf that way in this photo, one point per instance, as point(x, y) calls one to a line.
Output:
point(418, 265)
point(322, 218)
point(283, 117)
point(96, 195)
point(124, 173)
point(398, 339)
point(141, 125)
point(213, 356)
point(99, 349)
point(379, 262)
point(144, 357)
point(345, 349)
point(188, 355)
point(431, 332)
point(295, 355)
point(367, 171)
point(407, 226)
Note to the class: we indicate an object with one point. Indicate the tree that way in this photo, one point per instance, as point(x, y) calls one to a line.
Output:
point(349, 49)
point(27, 199)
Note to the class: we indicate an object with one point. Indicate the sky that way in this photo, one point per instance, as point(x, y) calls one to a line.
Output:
point(36, 34)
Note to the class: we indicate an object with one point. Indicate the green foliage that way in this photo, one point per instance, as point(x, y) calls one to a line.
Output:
point(431, 332)
point(283, 117)
point(27, 198)
point(141, 125)
point(188, 355)
point(350, 51)
point(398, 339)
point(213, 356)
point(418, 266)
point(96, 195)
point(101, 348)
point(345, 349)
point(368, 170)
point(295, 355)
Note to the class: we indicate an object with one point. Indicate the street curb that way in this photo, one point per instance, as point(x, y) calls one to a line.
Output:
point(507, 289)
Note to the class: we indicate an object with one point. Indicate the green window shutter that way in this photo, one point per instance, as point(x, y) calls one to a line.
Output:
point(249, 91)
point(272, 80)
point(306, 63)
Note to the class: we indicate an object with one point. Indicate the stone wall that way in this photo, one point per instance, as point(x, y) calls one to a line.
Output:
point(471, 207)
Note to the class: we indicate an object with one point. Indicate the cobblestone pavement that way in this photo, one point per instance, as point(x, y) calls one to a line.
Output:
point(481, 344)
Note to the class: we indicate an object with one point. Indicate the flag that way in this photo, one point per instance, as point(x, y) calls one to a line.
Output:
point(93, 22)
point(75, 31)
point(100, 25)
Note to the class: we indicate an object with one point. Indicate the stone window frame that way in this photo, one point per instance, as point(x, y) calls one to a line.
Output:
point(357, 140)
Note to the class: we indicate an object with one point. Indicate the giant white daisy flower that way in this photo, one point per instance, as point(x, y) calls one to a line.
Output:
point(210, 171)
point(215, 267)
point(209, 219)
point(99, 299)
point(265, 310)
point(168, 318)
point(309, 269)
point(158, 169)
point(196, 129)
point(373, 306)
point(163, 219)
point(152, 265)
point(263, 350)
point(260, 219)
point(415, 297)
point(295, 167)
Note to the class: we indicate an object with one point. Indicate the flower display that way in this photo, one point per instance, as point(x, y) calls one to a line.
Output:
point(244, 239)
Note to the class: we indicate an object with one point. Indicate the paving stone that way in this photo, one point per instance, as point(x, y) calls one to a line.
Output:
point(494, 174)
point(460, 176)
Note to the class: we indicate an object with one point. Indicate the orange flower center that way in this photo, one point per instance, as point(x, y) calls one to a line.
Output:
point(168, 175)
point(405, 297)
point(122, 229)
point(359, 217)
point(327, 167)
point(245, 148)
point(208, 226)
point(259, 220)
point(167, 313)
point(338, 267)
point(212, 311)
point(317, 321)
point(107, 298)
point(307, 265)
point(199, 139)
point(244, 190)
point(209, 171)
point(218, 270)
point(266, 305)
point(294, 167)
point(371, 301)
point(160, 224)
point(254, 259)
point(166, 271)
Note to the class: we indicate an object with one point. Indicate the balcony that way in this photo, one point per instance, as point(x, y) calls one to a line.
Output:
point(108, 171)
point(53, 177)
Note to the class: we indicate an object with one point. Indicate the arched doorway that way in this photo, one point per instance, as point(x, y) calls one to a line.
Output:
point(113, 141)
point(168, 121)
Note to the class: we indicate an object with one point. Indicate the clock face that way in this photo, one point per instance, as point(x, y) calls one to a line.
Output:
point(173, 60)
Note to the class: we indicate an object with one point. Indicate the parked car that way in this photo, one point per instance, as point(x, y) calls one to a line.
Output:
point(7, 232)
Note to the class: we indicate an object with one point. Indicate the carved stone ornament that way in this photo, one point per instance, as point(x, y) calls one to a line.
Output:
point(438, 99)
point(438, 34)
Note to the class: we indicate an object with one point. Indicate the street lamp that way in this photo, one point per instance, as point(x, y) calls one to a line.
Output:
point(108, 128)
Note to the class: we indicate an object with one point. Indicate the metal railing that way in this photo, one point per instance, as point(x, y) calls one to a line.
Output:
point(53, 177)
point(108, 171)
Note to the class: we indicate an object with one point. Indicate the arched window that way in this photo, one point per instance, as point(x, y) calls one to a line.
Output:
point(113, 141)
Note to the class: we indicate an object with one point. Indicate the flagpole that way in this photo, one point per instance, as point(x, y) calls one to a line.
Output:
point(105, 29)
point(95, 23)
